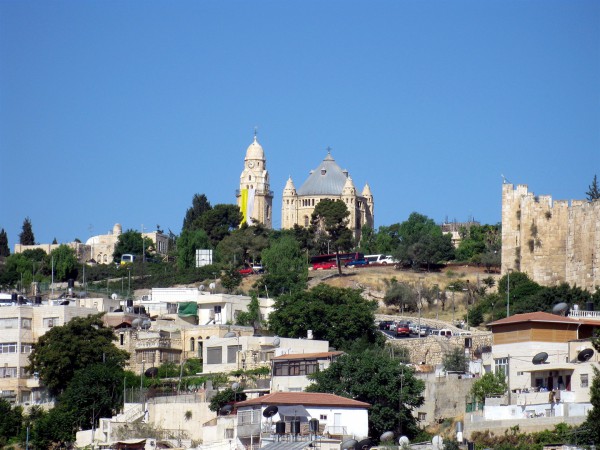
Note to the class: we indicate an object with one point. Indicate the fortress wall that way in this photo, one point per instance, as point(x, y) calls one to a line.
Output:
point(583, 245)
point(553, 242)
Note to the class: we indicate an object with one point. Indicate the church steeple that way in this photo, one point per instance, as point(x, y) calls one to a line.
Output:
point(254, 196)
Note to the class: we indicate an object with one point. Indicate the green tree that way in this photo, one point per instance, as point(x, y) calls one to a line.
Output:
point(26, 236)
point(373, 376)
point(590, 429)
point(422, 242)
point(286, 267)
point(200, 205)
point(251, 317)
point(4, 249)
point(401, 295)
point(329, 223)
point(219, 222)
point(455, 361)
point(131, 242)
point(11, 423)
point(243, 245)
point(226, 396)
point(65, 349)
point(187, 243)
point(65, 262)
point(340, 316)
point(368, 241)
point(54, 429)
point(388, 239)
point(231, 279)
point(95, 391)
point(593, 192)
point(489, 384)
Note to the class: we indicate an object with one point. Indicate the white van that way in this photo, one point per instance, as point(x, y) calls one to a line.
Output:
point(380, 259)
point(443, 332)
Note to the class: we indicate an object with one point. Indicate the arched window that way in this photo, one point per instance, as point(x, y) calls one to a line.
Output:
point(306, 221)
point(192, 344)
point(249, 177)
point(105, 259)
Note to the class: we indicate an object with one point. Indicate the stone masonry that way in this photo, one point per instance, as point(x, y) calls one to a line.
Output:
point(552, 241)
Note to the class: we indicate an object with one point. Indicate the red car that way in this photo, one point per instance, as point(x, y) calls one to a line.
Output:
point(246, 271)
point(324, 265)
point(402, 330)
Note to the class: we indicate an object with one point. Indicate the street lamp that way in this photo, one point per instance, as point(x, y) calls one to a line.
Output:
point(142, 380)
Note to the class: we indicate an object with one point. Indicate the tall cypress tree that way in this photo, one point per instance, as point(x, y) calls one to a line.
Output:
point(594, 190)
point(26, 237)
point(4, 249)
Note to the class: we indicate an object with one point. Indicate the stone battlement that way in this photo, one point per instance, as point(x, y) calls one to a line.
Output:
point(552, 241)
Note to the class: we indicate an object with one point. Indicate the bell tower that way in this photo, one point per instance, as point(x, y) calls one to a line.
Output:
point(254, 197)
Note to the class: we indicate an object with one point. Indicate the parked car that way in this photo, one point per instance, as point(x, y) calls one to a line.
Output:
point(402, 330)
point(443, 332)
point(356, 262)
point(258, 268)
point(324, 265)
point(246, 271)
point(385, 324)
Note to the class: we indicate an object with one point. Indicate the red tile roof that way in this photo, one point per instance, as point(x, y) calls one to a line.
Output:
point(307, 355)
point(304, 398)
point(534, 317)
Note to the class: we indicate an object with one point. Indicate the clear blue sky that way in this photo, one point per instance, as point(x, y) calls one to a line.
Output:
point(120, 111)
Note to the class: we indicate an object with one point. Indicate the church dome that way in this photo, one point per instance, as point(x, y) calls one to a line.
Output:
point(255, 151)
point(327, 179)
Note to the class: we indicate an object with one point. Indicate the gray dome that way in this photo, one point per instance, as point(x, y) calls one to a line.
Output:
point(327, 179)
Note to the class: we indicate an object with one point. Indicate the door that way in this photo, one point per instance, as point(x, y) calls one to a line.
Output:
point(337, 423)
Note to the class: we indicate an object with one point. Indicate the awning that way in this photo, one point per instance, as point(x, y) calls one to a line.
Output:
point(297, 411)
point(287, 445)
point(551, 366)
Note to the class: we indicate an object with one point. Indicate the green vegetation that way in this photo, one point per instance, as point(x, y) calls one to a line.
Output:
point(489, 384)
point(340, 316)
point(4, 249)
point(455, 361)
point(26, 236)
point(373, 376)
point(593, 192)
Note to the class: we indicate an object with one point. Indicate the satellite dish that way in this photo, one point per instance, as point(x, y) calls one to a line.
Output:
point(235, 386)
point(349, 444)
point(540, 358)
point(151, 372)
point(387, 436)
point(201, 287)
point(146, 324)
point(560, 308)
point(136, 322)
point(114, 296)
point(226, 410)
point(403, 440)
point(276, 342)
point(437, 442)
point(365, 444)
point(229, 334)
point(270, 411)
point(212, 286)
point(585, 355)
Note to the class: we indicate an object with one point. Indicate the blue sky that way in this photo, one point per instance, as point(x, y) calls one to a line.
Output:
point(120, 111)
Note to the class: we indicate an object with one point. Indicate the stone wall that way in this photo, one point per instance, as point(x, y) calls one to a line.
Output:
point(431, 349)
point(552, 241)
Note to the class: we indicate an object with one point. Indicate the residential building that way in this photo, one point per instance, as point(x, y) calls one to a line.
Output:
point(334, 419)
point(20, 328)
point(289, 372)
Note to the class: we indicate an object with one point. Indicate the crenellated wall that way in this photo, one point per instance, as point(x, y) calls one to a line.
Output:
point(551, 241)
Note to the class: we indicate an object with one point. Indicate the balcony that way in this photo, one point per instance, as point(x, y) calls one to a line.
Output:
point(579, 314)
point(158, 343)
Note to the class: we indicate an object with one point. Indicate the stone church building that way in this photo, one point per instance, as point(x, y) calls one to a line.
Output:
point(254, 197)
point(327, 181)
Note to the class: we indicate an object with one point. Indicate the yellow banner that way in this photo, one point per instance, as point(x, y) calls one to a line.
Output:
point(244, 206)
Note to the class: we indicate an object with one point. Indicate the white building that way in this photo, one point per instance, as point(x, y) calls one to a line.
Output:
point(289, 372)
point(212, 308)
point(20, 328)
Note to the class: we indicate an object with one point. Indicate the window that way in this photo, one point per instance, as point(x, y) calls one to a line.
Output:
point(584, 380)
point(8, 347)
point(323, 417)
point(26, 324)
point(228, 433)
point(146, 355)
point(192, 344)
point(501, 364)
point(10, 322)
point(8, 372)
point(169, 357)
point(232, 351)
point(50, 322)
point(422, 416)
point(214, 355)
point(26, 348)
